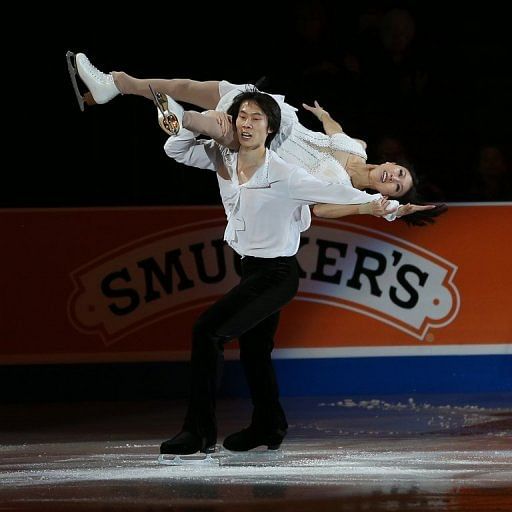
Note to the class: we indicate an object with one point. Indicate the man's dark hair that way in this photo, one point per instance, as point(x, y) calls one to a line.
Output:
point(269, 106)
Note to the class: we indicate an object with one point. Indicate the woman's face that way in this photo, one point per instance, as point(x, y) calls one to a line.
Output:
point(391, 179)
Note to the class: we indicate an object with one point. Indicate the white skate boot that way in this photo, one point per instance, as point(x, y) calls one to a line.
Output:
point(100, 85)
point(170, 113)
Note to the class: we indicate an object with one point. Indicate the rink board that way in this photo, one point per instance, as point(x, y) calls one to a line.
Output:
point(379, 305)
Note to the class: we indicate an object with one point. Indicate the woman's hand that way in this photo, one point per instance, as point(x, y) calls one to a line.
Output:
point(317, 110)
point(222, 118)
point(407, 209)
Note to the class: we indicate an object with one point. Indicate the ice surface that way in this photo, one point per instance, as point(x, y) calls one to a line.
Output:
point(334, 449)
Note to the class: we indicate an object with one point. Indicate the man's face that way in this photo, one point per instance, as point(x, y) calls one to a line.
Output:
point(251, 125)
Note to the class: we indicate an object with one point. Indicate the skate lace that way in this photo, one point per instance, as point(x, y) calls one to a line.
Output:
point(97, 74)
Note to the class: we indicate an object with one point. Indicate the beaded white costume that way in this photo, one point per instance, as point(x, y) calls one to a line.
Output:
point(313, 151)
point(297, 145)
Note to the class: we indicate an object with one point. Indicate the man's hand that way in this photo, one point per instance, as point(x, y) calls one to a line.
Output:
point(378, 208)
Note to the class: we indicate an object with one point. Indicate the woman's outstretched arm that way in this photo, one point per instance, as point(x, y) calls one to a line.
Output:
point(330, 126)
point(378, 208)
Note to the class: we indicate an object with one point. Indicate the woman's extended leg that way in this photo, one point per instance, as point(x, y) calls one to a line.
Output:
point(105, 86)
point(203, 94)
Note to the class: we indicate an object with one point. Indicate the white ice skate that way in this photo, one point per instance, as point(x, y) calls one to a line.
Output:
point(101, 86)
point(170, 113)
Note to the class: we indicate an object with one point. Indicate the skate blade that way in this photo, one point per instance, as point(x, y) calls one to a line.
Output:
point(159, 100)
point(167, 120)
point(223, 457)
point(169, 123)
point(72, 75)
point(258, 457)
point(181, 460)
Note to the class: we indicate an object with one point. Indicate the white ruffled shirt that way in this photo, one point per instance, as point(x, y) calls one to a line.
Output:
point(267, 214)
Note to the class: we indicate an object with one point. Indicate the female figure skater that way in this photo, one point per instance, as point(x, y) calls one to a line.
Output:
point(332, 156)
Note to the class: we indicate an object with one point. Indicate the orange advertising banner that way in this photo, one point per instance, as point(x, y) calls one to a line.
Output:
point(126, 284)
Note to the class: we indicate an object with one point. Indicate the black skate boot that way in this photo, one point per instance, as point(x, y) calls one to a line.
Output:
point(186, 443)
point(252, 437)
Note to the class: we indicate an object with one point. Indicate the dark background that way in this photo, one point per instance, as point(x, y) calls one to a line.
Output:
point(438, 101)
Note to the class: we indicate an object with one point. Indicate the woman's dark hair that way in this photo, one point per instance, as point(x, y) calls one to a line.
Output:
point(268, 104)
point(421, 218)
